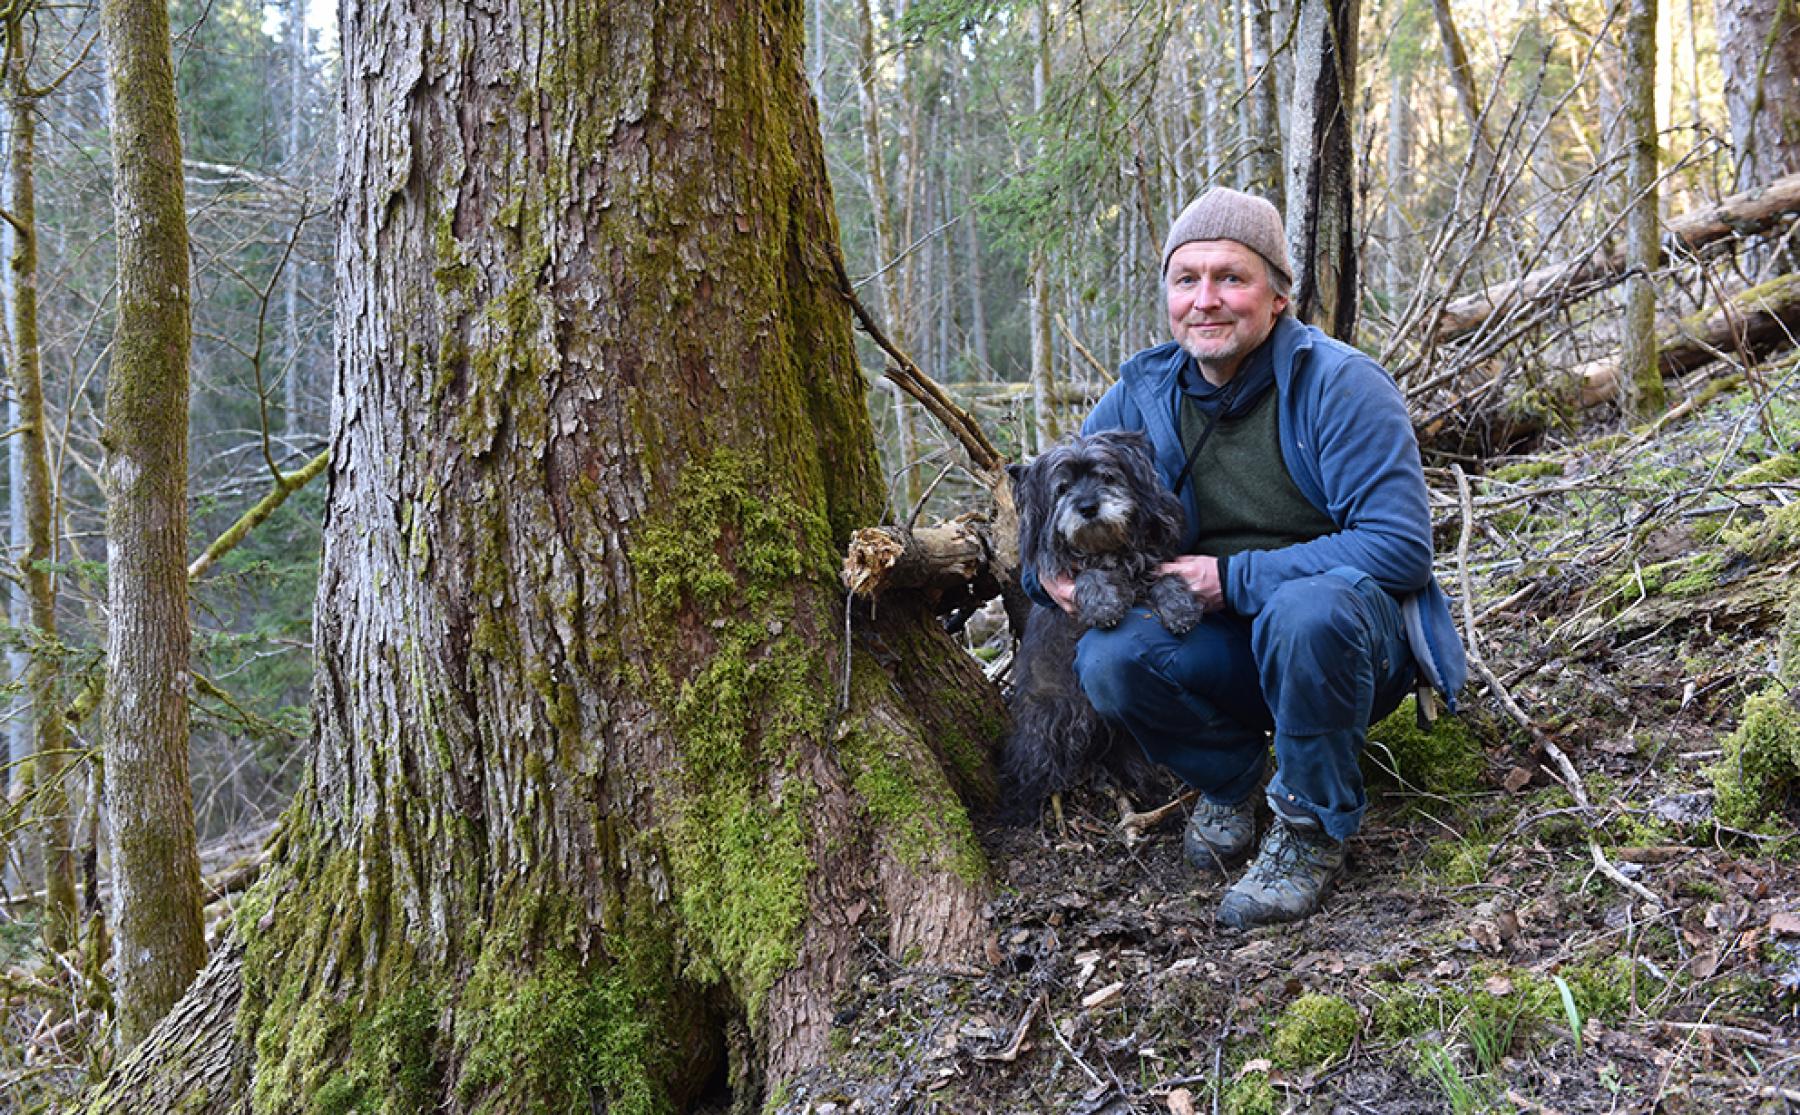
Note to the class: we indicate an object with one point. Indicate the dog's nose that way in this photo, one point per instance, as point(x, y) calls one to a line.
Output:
point(1088, 508)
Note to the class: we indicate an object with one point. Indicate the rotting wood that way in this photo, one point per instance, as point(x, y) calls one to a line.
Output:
point(1753, 211)
point(940, 558)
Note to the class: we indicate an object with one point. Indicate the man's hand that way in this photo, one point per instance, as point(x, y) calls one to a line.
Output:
point(1201, 575)
point(1061, 590)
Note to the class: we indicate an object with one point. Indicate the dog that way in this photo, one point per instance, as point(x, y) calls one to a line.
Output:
point(1092, 508)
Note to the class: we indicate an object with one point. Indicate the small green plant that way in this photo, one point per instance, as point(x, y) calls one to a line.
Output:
point(1461, 1094)
point(1490, 1024)
point(1570, 1009)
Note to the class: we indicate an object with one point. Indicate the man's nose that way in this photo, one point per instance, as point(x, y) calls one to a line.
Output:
point(1206, 293)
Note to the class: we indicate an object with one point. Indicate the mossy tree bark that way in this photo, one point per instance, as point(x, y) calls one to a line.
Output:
point(159, 940)
point(43, 678)
point(1321, 166)
point(584, 822)
point(1640, 376)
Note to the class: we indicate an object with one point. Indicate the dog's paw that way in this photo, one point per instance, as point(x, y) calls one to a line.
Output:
point(1104, 614)
point(1175, 606)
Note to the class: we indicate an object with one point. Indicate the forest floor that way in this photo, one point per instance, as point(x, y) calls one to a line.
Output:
point(1630, 595)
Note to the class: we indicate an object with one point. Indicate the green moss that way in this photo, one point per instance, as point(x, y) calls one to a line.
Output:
point(725, 540)
point(1526, 470)
point(1314, 1031)
point(1445, 760)
point(910, 802)
point(1761, 760)
point(1684, 577)
point(1777, 534)
point(1781, 467)
point(1457, 863)
point(1252, 1094)
point(567, 1034)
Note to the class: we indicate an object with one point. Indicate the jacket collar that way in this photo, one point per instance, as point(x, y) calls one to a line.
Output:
point(1153, 377)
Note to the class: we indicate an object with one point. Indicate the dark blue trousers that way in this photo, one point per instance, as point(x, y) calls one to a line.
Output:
point(1325, 658)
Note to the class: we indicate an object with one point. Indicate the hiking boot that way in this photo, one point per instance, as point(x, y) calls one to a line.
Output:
point(1219, 836)
point(1293, 869)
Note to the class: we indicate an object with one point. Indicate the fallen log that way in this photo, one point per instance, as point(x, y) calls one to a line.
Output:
point(1755, 210)
point(1495, 417)
point(1750, 325)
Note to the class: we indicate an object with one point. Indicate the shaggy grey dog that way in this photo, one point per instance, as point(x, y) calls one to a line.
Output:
point(1092, 508)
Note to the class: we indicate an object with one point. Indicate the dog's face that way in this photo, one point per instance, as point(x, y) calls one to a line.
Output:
point(1090, 496)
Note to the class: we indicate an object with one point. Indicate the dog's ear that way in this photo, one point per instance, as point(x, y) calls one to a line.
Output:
point(1032, 502)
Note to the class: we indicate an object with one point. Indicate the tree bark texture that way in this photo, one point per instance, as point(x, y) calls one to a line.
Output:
point(585, 826)
point(1265, 151)
point(1044, 426)
point(1321, 166)
point(159, 939)
point(1759, 47)
point(43, 674)
point(1641, 379)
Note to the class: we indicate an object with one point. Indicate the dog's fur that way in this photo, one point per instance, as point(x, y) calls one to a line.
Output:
point(1092, 508)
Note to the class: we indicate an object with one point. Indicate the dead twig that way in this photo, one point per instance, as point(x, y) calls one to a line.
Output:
point(1565, 770)
point(1134, 825)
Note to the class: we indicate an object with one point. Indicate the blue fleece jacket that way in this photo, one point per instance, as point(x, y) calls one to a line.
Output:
point(1349, 446)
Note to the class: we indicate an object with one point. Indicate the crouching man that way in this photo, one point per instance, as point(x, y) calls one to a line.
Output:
point(1308, 544)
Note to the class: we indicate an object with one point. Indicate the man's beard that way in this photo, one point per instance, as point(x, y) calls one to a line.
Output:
point(1213, 353)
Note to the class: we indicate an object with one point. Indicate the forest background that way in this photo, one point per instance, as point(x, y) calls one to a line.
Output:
point(1002, 174)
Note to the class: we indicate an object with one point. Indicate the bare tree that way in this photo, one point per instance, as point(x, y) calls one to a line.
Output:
point(159, 939)
point(1321, 167)
point(44, 677)
point(1640, 377)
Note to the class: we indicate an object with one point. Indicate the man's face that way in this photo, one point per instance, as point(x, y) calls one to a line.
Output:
point(1221, 305)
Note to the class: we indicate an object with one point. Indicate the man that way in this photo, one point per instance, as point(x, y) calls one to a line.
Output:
point(1309, 544)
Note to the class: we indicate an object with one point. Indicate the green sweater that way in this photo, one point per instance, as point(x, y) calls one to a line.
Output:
point(1247, 500)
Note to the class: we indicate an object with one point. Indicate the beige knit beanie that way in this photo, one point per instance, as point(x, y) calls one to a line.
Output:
point(1225, 214)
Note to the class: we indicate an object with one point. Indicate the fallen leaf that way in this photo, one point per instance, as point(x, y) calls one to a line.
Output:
point(1516, 779)
point(1785, 924)
point(1506, 923)
point(1181, 1102)
point(1498, 986)
point(1254, 1064)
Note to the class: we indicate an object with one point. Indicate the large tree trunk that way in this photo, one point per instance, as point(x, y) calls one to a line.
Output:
point(1321, 166)
point(1759, 47)
point(584, 824)
point(159, 940)
point(43, 675)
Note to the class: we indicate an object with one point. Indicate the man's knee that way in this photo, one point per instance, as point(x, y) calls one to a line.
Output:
point(1320, 615)
point(1114, 667)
